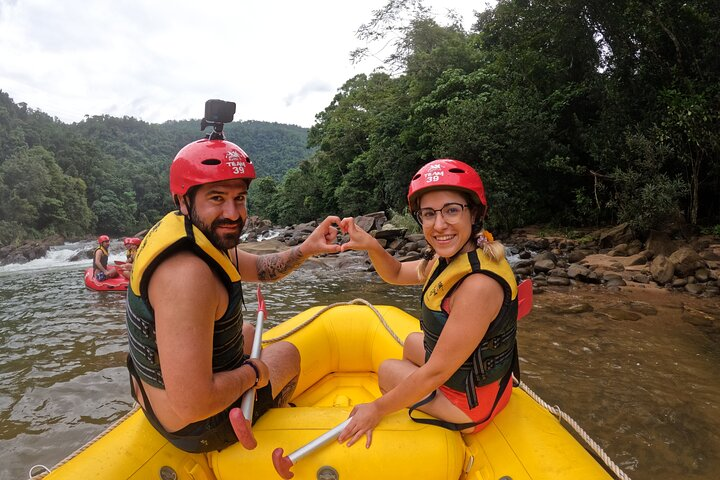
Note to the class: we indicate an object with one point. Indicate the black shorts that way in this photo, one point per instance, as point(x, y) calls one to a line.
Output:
point(213, 433)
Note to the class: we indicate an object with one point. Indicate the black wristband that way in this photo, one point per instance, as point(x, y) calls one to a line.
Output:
point(257, 372)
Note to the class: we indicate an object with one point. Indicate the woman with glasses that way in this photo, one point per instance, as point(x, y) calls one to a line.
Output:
point(459, 368)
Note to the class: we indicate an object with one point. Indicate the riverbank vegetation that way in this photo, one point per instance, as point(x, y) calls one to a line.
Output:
point(574, 113)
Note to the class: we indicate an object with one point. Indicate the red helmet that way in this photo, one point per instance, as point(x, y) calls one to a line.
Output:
point(446, 174)
point(132, 241)
point(207, 161)
point(103, 238)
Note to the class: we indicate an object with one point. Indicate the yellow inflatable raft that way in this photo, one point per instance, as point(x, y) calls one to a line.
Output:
point(342, 348)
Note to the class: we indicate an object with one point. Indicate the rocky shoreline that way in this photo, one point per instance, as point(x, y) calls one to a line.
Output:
point(611, 258)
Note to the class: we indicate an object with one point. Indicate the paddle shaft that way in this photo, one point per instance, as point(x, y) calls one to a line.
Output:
point(320, 441)
point(248, 400)
point(241, 418)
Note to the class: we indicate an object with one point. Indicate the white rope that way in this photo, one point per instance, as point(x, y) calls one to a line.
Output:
point(582, 433)
point(30, 472)
point(356, 301)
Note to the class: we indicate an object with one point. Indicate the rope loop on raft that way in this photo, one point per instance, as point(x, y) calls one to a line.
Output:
point(32, 469)
point(355, 301)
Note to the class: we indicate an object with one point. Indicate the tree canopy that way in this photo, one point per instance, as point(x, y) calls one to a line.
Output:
point(574, 113)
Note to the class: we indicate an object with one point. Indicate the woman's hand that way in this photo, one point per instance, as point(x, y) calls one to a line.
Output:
point(365, 417)
point(359, 238)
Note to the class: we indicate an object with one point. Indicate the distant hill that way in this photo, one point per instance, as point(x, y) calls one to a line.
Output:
point(107, 173)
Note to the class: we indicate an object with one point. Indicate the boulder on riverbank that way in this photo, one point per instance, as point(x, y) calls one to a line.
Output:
point(610, 257)
point(27, 251)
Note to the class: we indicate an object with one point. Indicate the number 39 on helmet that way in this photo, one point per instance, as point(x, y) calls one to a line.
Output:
point(446, 174)
point(207, 161)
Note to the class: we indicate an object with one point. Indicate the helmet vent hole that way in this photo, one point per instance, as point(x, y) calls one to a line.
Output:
point(211, 161)
point(457, 170)
point(416, 177)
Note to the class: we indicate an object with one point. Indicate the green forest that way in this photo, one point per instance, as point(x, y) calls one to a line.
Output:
point(107, 174)
point(574, 113)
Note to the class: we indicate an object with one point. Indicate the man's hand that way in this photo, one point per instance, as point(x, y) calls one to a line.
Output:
point(323, 239)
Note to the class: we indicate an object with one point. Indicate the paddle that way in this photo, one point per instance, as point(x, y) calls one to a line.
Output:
point(525, 298)
point(283, 464)
point(241, 418)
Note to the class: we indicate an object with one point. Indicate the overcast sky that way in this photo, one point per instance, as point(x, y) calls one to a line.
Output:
point(279, 60)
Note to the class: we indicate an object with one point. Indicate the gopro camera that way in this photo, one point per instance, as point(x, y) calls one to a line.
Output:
point(217, 113)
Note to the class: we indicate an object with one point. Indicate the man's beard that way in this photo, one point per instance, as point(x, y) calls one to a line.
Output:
point(222, 242)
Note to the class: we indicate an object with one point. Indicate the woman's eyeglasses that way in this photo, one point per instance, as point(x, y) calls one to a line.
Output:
point(451, 213)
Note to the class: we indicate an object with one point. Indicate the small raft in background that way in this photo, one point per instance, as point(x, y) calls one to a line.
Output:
point(118, 283)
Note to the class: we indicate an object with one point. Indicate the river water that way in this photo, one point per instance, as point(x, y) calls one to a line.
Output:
point(636, 369)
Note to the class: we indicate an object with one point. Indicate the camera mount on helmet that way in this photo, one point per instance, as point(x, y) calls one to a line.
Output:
point(217, 114)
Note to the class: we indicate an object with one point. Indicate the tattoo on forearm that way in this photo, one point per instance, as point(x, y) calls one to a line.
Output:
point(277, 265)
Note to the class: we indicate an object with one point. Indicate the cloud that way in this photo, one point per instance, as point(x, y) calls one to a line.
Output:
point(279, 60)
point(314, 86)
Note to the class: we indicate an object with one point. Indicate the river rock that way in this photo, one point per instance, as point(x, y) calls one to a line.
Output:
point(640, 278)
point(662, 269)
point(619, 250)
point(389, 231)
point(558, 272)
point(686, 261)
point(574, 309)
point(695, 288)
point(537, 244)
point(636, 259)
point(659, 243)
point(679, 282)
point(615, 236)
point(24, 252)
point(613, 280)
point(576, 255)
point(578, 272)
point(622, 315)
point(558, 281)
point(643, 308)
point(366, 222)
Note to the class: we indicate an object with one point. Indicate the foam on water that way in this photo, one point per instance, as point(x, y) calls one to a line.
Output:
point(61, 256)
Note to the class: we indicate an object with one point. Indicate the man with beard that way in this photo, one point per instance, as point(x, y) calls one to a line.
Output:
point(188, 358)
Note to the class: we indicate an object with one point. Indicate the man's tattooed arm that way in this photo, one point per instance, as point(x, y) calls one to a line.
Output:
point(277, 265)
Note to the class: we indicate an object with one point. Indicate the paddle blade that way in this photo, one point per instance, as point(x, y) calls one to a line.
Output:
point(524, 297)
point(261, 302)
point(282, 464)
point(242, 429)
